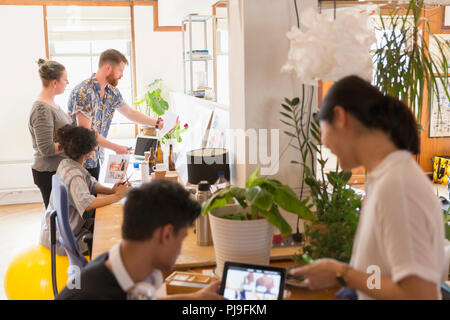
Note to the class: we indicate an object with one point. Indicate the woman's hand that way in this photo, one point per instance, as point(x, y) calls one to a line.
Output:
point(320, 275)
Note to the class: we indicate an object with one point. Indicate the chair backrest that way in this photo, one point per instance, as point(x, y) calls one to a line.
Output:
point(67, 239)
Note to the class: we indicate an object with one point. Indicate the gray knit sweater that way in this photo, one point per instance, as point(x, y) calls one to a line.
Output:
point(44, 121)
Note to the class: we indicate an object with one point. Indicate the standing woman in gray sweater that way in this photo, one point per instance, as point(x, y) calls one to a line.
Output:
point(46, 117)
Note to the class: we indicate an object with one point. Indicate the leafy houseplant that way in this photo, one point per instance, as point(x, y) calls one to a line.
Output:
point(243, 232)
point(405, 66)
point(336, 205)
point(263, 197)
point(175, 132)
point(154, 102)
point(337, 209)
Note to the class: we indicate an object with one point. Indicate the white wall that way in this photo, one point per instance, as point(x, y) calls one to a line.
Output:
point(258, 50)
point(158, 54)
point(22, 39)
point(171, 12)
point(22, 42)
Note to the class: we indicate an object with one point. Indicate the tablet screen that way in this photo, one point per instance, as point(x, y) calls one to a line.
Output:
point(252, 282)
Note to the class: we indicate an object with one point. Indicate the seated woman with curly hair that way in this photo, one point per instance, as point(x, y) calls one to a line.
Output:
point(79, 143)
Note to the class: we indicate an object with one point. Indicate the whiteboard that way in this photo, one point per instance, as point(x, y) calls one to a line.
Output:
point(440, 114)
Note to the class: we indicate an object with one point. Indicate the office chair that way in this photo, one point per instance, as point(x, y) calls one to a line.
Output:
point(60, 217)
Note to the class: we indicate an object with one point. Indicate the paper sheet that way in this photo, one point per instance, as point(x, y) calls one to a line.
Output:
point(116, 167)
point(170, 119)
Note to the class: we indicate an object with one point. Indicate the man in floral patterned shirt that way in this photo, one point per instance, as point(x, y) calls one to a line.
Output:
point(93, 102)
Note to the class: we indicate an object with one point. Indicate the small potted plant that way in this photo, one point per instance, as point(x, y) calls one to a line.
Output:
point(174, 134)
point(243, 232)
point(155, 105)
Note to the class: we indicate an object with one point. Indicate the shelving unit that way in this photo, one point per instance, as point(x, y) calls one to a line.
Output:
point(189, 59)
point(220, 51)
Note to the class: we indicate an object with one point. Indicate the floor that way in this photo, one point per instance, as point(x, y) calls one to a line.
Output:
point(19, 229)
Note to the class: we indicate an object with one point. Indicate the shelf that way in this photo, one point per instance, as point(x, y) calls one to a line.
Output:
point(198, 59)
point(196, 18)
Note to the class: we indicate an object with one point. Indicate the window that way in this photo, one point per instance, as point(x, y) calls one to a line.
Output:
point(78, 35)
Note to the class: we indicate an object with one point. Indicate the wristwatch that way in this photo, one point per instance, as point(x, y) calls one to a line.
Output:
point(341, 275)
point(157, 123)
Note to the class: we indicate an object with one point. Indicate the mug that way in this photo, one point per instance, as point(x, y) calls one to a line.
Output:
point(159, 167)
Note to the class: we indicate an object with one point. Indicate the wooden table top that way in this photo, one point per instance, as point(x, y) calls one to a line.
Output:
point(107, 232)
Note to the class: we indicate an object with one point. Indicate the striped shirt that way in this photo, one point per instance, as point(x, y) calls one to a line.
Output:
point(80, 189)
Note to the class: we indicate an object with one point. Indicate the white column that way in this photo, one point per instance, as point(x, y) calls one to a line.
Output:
point(258, 50)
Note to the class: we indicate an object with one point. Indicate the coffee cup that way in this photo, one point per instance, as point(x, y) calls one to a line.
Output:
point(159, 167)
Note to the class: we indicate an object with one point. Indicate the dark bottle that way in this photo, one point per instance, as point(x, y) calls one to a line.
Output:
point(159, 153)
point(171, 163)
point(151, 161)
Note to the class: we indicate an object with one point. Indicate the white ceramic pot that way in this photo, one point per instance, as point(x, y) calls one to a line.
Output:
point(239, 241)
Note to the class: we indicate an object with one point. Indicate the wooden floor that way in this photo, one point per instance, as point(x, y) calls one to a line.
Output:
point(19, 229)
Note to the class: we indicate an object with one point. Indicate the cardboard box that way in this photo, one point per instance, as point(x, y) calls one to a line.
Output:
point(186, 282)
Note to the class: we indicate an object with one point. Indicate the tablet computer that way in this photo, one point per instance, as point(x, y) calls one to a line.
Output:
point(252, 282)
point(143, 144)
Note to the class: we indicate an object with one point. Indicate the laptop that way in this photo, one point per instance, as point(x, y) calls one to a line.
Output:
point(252, 282)
point(143, 144)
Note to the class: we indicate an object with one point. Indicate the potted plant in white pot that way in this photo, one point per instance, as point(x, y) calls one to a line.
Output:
point(243, 232)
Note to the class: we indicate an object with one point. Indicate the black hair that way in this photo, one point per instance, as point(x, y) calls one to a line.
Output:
point(374, 110)
point(49, 70)
point(76, 141)
point(156, 204)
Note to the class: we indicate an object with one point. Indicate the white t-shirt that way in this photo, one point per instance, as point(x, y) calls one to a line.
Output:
point(401, 227)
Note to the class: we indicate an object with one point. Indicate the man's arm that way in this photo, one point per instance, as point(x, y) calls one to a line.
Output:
point(139, 117)
point(84, 121)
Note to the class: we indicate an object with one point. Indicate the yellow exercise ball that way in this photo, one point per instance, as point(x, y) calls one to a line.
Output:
point(29, 275)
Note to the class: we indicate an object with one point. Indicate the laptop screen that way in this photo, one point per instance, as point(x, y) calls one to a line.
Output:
point(252, 282)
point(143, 144)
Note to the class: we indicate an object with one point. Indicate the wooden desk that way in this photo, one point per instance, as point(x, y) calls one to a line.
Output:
point(107, 232)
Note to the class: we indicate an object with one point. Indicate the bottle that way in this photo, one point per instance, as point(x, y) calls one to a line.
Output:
point(221, 183)
point(202, 227)
point(171, 163)
point(159, 153)
point(145, 177)
point(151, 161)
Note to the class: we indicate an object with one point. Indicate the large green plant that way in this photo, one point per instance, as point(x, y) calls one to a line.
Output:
point(153, 100)
point(264, 197)
point(335, 204)
point(447, 224)
point(404, 65)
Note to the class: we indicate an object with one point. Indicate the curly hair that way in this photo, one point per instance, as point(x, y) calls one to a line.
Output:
point(76, 141)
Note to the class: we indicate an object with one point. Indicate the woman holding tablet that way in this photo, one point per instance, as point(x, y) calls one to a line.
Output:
point(398, 248)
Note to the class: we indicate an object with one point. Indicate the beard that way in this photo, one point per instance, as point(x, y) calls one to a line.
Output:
point(112, 81)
